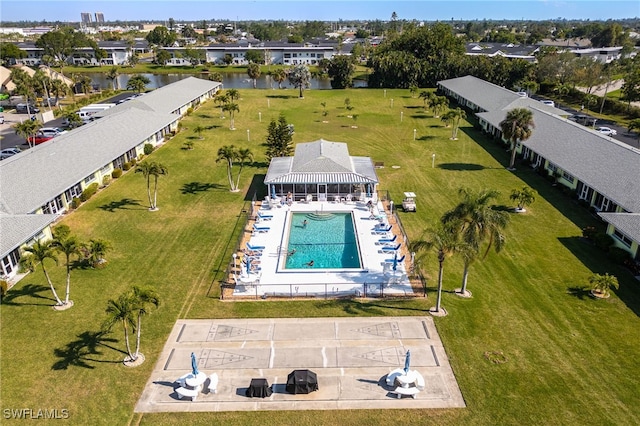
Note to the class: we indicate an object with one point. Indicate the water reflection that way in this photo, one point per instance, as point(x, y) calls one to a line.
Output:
point(230, 81)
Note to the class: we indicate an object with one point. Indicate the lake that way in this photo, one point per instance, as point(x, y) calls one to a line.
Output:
point(230, 81)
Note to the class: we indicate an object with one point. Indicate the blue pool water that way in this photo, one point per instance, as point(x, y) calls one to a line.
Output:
point(328, 239)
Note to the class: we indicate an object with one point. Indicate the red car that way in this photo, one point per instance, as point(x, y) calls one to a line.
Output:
point(39, 138)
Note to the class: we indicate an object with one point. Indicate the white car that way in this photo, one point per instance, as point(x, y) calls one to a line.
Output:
point(548, 102)
point(52, 131)
point(8, 152)
point(607, 131)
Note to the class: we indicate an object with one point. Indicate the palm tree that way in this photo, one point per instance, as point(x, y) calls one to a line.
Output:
point(253, 70)
point(27, 129)
point(243, 156)
point(447, 118)
point(143, 299)
point(231, 108)
point(158, 170)
point(426, 97)
point(58, 89)
point(603, 283)
point(517, 127)
point(229, 154)
point(39, 252)
point(221, 99)
point(215, 76)
point(112, 75)
point(95, 251)
point(445, 242)
point(122, 310)
point(73, 119)
point(199, 130)
point(69, 246)
point(456, 115)
point(300, 77)
point(437, 104)
point(475, 221)
point(145, 167)
point(279, 75)
point(233, 95)
point(524, 197)
point(138, 83)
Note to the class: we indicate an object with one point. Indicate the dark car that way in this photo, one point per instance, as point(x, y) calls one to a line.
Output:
point(22, 109)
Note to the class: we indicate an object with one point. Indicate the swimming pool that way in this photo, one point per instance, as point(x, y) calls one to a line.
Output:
point(327, 239)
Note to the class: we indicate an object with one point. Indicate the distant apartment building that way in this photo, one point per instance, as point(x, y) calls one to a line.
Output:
point(85, 17)
point(100, 17)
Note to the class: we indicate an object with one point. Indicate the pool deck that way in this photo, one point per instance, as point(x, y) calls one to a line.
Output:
point(351, 357)
point(375, 278)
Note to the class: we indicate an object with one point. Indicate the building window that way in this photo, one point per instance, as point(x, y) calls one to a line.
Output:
point(566, 176)
point(552, 167)
point(105, 170)
point(89, 178)
point(73, 192)
point(54, 206)
point(622, 238)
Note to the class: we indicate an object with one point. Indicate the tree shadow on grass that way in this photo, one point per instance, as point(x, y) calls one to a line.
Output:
point(579, 292)
point(84, 351)
point(206, 116)
point(30, 290)
point(282, 96)
point(461, 166)
point(195, 187)
point(213, 126)
point(120, 205)
point(421, 117)
point(414, 107)
point(426, 138)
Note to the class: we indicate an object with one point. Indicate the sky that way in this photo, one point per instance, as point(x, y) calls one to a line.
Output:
point(327, 10)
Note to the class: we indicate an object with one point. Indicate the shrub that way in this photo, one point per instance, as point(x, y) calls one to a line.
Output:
point(75, 203)
point(88, 192)
point(619, 255)
point(589, 232)
point(133, 162)
point(189, 111)
point(126, 166)
point(603, 241)
point(106, 180)
point(148, 148)
point(116, 173)
point(4, 286)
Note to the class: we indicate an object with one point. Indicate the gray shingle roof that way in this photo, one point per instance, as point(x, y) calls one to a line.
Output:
point(628, 223)
point(321, 162)
point(35, 177)
point(608, 166)
point(17, 229)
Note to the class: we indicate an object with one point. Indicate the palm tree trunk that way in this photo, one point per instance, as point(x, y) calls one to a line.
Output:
point(229, 165)
point(53, 289)
point(155, 193)
point(149, 191)
point(465, 274)
point(238, 178)
point(126, 340)
point(512, 162)
point(138, 336)
point(301, 91)
point(439, 295)
point(66, 296)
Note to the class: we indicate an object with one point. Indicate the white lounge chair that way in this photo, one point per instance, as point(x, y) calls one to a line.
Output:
point(309, 198)
point(257, 228)
point(213, 383)
point(389, 248)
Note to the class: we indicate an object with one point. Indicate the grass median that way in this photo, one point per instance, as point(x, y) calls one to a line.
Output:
point(530, 346)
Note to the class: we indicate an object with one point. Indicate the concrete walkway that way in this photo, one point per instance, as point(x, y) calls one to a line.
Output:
point(351, 357)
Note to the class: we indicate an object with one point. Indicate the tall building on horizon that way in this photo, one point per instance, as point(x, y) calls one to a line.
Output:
point(100, 17)
point(85, 17)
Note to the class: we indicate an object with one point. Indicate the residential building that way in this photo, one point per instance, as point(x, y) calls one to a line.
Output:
point(39, 185)
point(600, 170)
point(85, 18)
point(100, 17)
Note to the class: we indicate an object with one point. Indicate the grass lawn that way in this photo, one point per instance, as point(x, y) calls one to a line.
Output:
point(569, 359)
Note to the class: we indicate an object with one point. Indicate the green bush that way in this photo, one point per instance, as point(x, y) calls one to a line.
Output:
point(148, 148)
point(116, 173)
point(75, 203)
point(126, 166)
point(619, 255)
point(603, 241)
point(133, 162)
point(106, 180)
point(88, 192)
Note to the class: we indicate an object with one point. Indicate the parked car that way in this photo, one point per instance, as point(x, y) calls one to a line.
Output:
point(39, 138)
point(9, 152)
point(22, 109)
point(607, 131)
point(51, 131)
point(548, 102)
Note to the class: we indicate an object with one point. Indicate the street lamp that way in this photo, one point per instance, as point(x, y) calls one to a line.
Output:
point(268, 103)
point(433, 160)
point(414, 134)
point(391, 103)
point(385, 93)
point(260, 117)
point(401, 115)
point(248, 136)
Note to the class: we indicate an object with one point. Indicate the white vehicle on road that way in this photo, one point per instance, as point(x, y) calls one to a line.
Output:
point(607, 131)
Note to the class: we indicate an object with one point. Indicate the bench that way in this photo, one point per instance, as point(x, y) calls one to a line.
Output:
point(391, 377)
point(189, 393)
point(412, 392)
